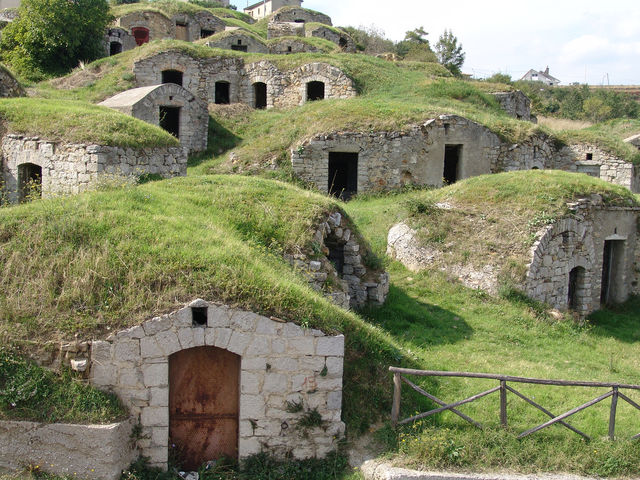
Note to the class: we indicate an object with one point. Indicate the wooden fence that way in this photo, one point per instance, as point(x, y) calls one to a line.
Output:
point(503, 388)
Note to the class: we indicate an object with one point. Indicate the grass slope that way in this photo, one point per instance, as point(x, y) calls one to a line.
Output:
point(79, 122)
point(171, 8)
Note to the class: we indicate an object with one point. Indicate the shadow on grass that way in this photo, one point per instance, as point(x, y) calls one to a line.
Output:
point(419, 323)
point(621, 322)
point(221, 140)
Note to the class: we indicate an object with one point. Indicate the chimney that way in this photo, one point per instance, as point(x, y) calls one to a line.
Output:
point(546, 72)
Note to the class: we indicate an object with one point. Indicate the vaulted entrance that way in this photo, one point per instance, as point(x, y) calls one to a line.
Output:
point(611, 271)
point(170, 120)
point(260, 95)
point(29, 181)
point(452, 155)
point(204, 402)
point(315, 91)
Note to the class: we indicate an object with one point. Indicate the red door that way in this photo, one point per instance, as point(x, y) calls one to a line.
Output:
point(141, 35)
point(204, 401)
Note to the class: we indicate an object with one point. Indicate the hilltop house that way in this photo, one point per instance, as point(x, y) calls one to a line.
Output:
point(265, 8)
point(544, 77)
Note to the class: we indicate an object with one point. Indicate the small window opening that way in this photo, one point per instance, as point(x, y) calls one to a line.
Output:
point(240, 48)
point(222, 96)
point(299, 20)
point(289, 49)
point(336, 256)
point(315, 91)
point(170, 120)
point(446, 128)
point(172, 76)
point(589, 156)
point(206, 33)
point(452, 154)
point(30, 181)
point(343, 174)
point(115, 48)
point(260, 95)
point(199, 316)
point(141, 35)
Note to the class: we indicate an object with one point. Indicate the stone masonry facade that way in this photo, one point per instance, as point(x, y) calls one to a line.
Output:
point(74, 168)
point(284, 89)
point(417, 156)
point(9, 86)
point(578, 242)
point(516, 104)
point(280, 362)
point(340, 273)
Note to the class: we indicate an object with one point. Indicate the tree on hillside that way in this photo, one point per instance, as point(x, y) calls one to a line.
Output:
point(50, 37)
point(370, 40)
point(449, 53)
point(416, 47)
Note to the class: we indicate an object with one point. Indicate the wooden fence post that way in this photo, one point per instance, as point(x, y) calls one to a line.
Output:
point(503, 403)
point(612, 416)
point(397, 389)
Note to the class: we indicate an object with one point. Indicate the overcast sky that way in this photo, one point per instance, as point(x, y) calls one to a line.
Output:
point(579, 40)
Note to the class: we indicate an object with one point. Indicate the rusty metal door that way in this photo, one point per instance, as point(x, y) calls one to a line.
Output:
point(204, 401)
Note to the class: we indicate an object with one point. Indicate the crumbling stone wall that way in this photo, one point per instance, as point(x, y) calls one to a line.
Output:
point(121, 36)
point(634, 140)
point(288, 45)
point(389, 160)
point(284, 89)
point(194, 114)
point(280, 362)
point(74, 168)
point(579, 241)
point(207, 21)
point(238, 38)
point(342, 39)
point(299, 15)
point(516, 104)
point(101, 452)
point(285, 29)
point(9, 86)
point(340, 272)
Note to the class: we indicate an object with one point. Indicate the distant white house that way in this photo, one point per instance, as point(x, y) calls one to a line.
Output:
point(538, 76)
point(267, 7)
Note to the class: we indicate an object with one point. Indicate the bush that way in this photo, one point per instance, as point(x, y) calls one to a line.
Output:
point(50, 37)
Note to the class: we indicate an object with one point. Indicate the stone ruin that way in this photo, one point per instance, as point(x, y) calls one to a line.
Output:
point(9, 86)
point(338, 268)
point(578, 263)
point(439, 152)
point(224, 80)
point(238, 40)
point(34, 166)
point(170, 107)
point(634, 140)
point(516, 104)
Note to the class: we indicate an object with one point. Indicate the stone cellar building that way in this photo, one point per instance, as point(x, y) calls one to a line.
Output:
point(170, 107)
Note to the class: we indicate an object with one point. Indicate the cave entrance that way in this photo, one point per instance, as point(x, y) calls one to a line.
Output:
point(343, 174)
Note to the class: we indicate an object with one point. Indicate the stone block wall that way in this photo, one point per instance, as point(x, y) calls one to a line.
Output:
point(342, 39)
point(579, 241)
point(74, 168)
point(284, 89)
point(9, 86)
point(355, 285)
point(280, 362)
point(285, 29)
point(300, 15)
point(288, 45)
point(159, 26)
point(389, 160)
point(237, 38)
point(98, 452)
point(516, 104)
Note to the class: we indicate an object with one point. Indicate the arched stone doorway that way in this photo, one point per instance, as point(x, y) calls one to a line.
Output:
point(315, 91)
point(29, 181)
point(204, 404)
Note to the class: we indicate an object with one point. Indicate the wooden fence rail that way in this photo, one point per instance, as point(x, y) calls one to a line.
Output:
point(399, 376)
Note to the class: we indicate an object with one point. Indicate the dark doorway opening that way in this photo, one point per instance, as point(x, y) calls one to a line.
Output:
point(336, 255)
point(29, 181)
point(343, 43)
point(222, 93)
point(613, 252)
point(299, 20)
point(576, 284)
point(452, 154)
point(115, 48)
point(260, 95)
point(170, 120)
point(206, 33)
point(239, 48)
point(204, 404)
point(315, 91)
point(172, 76)
point(343, 174)
point(141, 35)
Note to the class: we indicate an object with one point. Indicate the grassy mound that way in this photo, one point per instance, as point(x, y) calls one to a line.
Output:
point(79, 122)
point(171, 8)
point(508, 208)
